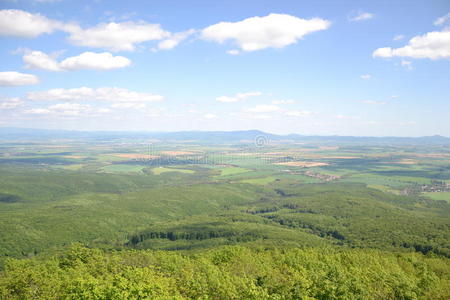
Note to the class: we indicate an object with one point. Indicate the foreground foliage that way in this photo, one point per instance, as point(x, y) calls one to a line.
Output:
point(232, 272)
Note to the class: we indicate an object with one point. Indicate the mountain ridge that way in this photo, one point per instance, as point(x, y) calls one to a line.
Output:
point(15, 133)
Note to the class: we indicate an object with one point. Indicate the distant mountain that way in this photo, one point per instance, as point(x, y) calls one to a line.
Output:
point(244, 136)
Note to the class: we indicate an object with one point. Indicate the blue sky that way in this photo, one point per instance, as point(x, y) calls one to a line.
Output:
point(373, 68)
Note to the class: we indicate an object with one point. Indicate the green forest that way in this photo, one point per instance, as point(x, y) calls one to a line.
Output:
point(231, 272)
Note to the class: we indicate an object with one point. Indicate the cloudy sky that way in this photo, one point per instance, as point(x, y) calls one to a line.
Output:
point(311, 67)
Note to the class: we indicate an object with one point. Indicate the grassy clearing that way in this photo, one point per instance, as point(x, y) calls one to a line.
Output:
point(439, 196)
point(372, 179)
point(259, 181)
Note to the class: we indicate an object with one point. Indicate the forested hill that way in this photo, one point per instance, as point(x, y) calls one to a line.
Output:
point(245, 136)
point(228, 273)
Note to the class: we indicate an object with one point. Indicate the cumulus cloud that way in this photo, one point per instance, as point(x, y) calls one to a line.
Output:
point(366, 76)
point(10, 103)
point(360, 16)
point(432, 45)
point(442, 20)
point(117, 36)
point(40, 60)
point(12, 78)
point(85, 61)
point(398, 37)
point(19, 23)
point(238, 97)
point(272, 31)
point(174, 40)
point(264, 108)
point(95, 61)
point(114, 36)
point(110, 94)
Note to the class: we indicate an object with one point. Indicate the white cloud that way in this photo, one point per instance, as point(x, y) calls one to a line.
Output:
point(360, 16)
point(85, 61)
point(174, 40)
point(10, 103)
point(433, 45)
point(264, 108)
point(372, 102)
point(95, 61)
point(366, 76)
point(442, 20)
point(398, 37)
point(110, 94)
point(117, 36)
point(40, 60)
point(298, 113)
point(17, 79)
point(238, 97)
point(276, 102)
point(209, 116)
point(272, 31)
point(114, 36)
point(20, 23)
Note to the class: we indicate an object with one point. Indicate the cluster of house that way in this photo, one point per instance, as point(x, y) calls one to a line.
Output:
point(324, 177)
point(435, 187)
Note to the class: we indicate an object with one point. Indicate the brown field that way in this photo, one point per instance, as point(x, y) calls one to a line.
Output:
point(74, 156)
point(303, 164)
